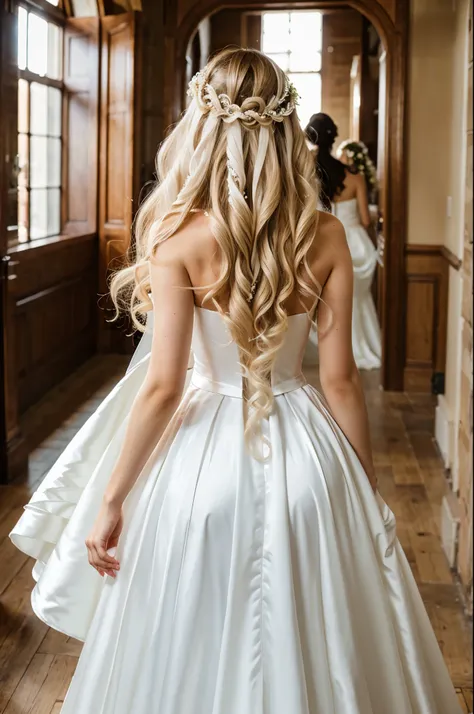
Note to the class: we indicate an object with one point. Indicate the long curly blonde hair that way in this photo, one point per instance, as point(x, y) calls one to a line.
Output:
point(240, 154)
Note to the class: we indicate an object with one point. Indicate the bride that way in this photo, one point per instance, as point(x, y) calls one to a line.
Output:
point(344, 192)
point(226, 552)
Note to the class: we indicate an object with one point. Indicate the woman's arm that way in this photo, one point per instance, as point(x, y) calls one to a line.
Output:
point(157, 399)
point(340, 379)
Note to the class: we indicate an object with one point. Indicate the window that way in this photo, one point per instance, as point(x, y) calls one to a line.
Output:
point(294, 41)
point(40, 92)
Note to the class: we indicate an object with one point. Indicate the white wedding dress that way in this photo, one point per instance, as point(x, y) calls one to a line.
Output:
point(366, 339)
point(246, 587)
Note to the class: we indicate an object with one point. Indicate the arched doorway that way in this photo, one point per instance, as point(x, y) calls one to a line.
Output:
point(390, 19)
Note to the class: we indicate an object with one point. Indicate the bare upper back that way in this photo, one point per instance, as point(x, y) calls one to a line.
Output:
point(200, 253)
point(351, 187)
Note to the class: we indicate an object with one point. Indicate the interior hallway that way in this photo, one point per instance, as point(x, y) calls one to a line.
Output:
point(36, 663)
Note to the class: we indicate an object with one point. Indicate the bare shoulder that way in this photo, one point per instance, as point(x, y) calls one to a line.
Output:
point(358, 179)
point(329, 248)
point(330, 234)
point(192, 237)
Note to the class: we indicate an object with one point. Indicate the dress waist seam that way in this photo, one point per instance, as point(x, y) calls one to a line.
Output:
point(200, 381)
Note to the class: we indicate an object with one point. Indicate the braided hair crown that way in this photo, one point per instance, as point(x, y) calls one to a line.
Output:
point(252, 112)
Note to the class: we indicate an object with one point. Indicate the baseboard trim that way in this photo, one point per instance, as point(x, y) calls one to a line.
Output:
point(443, 429)
point(450, 519)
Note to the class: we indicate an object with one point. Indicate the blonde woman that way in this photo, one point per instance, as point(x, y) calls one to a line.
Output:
point(237, 559)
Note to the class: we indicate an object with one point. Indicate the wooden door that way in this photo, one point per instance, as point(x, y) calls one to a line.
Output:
point(120, 147)
point(80, 125)
point(381, 177)
point(12, 458)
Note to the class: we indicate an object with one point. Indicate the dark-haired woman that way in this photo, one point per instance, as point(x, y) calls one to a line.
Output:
point(344, 192)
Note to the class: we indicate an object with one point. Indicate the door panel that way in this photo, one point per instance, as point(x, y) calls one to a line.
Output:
point(120, 146)
point(381, 170)
point(11, 464)
point(81, 125)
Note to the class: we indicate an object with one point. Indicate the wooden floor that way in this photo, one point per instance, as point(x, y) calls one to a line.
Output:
point(36, 663)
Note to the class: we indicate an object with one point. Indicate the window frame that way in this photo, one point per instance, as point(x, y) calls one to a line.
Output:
point(57, 16)
point(289, 51)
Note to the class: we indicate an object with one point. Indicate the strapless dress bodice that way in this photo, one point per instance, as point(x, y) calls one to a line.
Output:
point(347, 212)
point(217, 361)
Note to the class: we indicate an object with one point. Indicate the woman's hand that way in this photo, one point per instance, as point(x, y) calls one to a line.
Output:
point(104, 535)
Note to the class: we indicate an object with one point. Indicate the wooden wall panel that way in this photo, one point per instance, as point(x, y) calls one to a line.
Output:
point(226, 29)
point(426, 316)
point(152, 128)
point(55, 313)
point(11, 460)
point(342, 41)
point(120, 153)
point(252, 30)
point(370, 89)
point(80, 125)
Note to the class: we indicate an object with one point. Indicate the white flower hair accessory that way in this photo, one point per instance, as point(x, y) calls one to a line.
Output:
point(358, 153)
point(220, 104)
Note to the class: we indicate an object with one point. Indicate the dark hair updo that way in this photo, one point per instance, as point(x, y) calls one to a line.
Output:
point(322, 132)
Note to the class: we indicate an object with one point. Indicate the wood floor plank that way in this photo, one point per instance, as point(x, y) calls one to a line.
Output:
point(469, 699)
point(462, 702)
point(29, 685)
point(15, 601)
point(9, 520)
point(452, 629)
point(12, 561)
point(16, 653)
point(407, 475)
point(58, 644)
point(430, 558)
point(55, 685)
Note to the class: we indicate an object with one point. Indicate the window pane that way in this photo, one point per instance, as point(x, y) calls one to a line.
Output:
point(309, 89)
point(54, 211)
point(54, 162)
point(305, 59)
point(84, 8)
point(276, 28)
point(39, 214)
point(54, 111)
point(37, 45)
point(44, 212)
point(55, 40)
point(39, 108)
point(22, 36)
point(306, 30)
point(22, 215)
point(45, 158)
point(23, 118)
point(23, 159)
point(45, 110)
point(53, 2)
point(281, 60)
point(38, 162)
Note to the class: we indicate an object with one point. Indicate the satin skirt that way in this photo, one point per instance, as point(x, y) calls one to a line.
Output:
point(245, 587)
